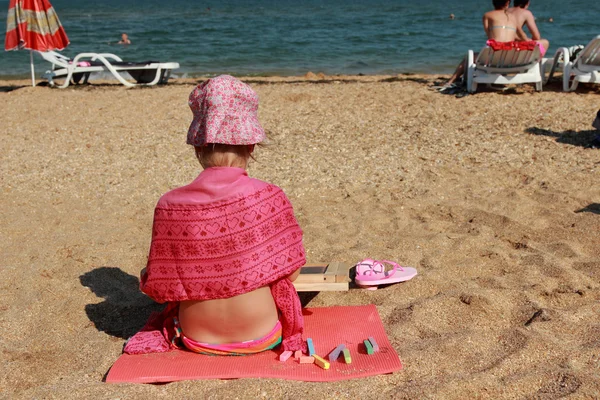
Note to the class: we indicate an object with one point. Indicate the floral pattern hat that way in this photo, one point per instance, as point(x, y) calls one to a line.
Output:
point(225, 111)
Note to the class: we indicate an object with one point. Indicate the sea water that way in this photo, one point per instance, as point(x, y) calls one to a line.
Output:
point(286, 37)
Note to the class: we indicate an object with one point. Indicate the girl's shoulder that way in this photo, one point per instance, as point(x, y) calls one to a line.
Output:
point(519, 12)
point(263, 186)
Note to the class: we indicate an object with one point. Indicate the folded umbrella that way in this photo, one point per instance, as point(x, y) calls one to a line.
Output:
point(33, 25)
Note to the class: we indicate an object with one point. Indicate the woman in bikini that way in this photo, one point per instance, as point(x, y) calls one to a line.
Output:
point(499, 25)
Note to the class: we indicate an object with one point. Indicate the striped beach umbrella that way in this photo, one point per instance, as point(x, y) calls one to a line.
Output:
point(33, 25)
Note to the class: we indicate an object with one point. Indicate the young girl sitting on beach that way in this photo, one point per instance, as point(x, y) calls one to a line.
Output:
point(225, 248)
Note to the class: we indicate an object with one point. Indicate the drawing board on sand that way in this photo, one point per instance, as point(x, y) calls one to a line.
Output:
point(323, 277)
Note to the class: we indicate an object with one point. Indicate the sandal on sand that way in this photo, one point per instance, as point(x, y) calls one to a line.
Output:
point(371, 273)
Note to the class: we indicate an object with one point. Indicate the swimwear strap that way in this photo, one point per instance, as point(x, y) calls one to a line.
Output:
point(267, 342)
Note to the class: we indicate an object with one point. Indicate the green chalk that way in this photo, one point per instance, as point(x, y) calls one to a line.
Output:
point(347, 356)
point(368, 346)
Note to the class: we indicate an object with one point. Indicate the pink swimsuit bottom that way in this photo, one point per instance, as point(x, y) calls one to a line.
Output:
point(267, 342)
point(542, 49)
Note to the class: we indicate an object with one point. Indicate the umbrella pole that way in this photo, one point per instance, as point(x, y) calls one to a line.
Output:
point(32, 68)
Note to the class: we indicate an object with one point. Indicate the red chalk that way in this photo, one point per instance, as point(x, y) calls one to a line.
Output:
point(306, 360)
point(298, 354)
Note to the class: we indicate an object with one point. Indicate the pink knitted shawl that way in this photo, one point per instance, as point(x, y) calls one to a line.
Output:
point(223, 235)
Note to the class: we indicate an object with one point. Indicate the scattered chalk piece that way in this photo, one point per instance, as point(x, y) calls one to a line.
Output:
point(320, 362)
point(347, 357)
point(374, 343)
point(311, 347)
point(368, 346)
point(306, 360)
point(285, 355)
point(298, 354)
point(335, 353)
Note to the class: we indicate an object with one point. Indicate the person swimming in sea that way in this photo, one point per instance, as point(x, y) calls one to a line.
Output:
point(124, 39)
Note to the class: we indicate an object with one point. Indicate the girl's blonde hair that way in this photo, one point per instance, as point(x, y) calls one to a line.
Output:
point(224, 155)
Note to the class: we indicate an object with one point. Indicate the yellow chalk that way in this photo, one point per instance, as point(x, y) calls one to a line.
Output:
point(320, 362)
point(347, 357)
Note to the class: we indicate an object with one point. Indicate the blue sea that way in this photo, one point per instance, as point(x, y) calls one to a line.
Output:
point(285, 37)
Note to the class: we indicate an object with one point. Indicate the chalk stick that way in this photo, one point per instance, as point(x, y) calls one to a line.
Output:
point(285, 355)
point(298, 354)
point(320, 362)
point(368, 346)
point(311, 347)
point(347, 357)
point(335, 353)
point(374, 343)
point(306, 360)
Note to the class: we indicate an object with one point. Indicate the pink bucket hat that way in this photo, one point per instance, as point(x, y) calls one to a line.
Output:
point(225, 111)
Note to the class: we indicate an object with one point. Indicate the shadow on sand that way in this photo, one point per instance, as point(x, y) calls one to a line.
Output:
point(556, 85)
point(575, 138)
point(125, 309)
point(6, 89)
point(591, 208)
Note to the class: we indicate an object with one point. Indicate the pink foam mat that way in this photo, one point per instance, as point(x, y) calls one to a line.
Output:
point(328, 327)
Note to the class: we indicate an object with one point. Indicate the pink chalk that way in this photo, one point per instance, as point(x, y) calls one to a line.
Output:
point(306, 360)
point(374, 343)
point(285, 355)
point(298, 354)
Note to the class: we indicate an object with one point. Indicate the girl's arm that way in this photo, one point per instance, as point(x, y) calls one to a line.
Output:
point(521, 35)
point(530, 22)
point(486, 24)
point(292, 277)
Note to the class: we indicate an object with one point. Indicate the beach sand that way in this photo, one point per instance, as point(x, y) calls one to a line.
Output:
point(493, 197)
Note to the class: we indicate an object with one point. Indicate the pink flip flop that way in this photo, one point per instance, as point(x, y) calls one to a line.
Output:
point(371, 273)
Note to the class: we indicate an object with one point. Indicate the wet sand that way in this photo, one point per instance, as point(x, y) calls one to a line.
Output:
point(494, 198)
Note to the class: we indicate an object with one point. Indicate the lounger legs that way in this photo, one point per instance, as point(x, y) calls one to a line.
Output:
point(567, 78)
point(564, 52)
point(166, 76)
point(471, 85)
point(538, 85)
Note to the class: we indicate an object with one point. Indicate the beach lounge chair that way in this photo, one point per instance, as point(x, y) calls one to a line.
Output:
point(585, 68)
point(505, 65)
point(73, 70)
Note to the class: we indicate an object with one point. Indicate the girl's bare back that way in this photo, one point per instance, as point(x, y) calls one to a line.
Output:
point(240, 318)
point(500, 25)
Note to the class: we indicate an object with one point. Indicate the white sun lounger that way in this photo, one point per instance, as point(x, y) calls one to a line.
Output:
point(504, 67)
point(73, 70)
point(586, 68)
